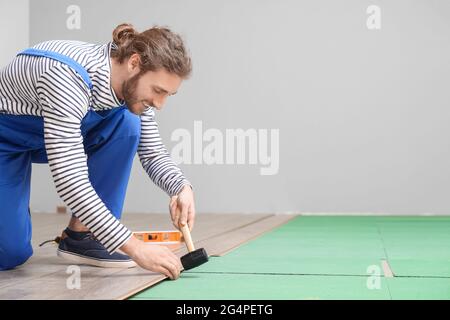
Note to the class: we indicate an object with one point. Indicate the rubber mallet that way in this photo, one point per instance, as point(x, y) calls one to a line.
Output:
point(195, 257)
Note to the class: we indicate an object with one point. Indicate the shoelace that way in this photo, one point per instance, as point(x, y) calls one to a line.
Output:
point(57, 240)
point(92, 237)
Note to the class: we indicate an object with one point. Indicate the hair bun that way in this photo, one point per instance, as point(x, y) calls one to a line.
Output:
point(124, 33)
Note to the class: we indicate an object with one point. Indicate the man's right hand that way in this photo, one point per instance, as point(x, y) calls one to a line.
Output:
point(153, 257)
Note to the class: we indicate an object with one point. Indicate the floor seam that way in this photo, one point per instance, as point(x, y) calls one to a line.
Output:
point(311, 274)
point(262, 233)
point(283, 274)
point(236, 228)
point(391, 274)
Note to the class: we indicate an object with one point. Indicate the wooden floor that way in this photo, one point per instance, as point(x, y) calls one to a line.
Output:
point(44, 275)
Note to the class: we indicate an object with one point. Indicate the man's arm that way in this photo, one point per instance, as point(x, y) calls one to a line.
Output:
point(160, 167)
point(65, 100)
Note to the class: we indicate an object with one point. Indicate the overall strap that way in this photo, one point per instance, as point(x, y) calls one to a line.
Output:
point(61, 58)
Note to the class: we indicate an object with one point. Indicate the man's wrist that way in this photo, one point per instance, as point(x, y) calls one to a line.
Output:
point(184, 187)
point(130, 247)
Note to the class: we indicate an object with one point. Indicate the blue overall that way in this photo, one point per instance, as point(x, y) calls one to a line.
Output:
point(111, 139)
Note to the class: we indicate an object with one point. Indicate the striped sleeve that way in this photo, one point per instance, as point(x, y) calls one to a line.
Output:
point(65, 99)
point(155, 158)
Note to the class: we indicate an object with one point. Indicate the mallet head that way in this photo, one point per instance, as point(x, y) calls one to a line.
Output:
point(194, 258)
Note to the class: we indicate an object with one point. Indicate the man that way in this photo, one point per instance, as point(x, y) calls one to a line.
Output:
point(86, 110)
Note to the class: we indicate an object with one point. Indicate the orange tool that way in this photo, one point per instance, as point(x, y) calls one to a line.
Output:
point(166, 237)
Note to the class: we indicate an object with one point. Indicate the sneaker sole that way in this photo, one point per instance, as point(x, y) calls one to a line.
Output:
point(79, 259)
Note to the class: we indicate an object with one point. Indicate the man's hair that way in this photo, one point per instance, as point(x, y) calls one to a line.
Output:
point(157, 47)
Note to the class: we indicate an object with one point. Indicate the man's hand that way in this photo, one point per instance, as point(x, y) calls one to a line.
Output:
point(153, 257)
point(182, 208)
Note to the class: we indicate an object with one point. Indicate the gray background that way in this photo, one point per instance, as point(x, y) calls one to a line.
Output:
point(363, 115)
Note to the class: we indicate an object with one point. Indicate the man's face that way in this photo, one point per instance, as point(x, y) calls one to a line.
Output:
point(149, 90)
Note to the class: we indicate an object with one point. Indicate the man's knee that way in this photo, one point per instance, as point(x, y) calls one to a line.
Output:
point(12, 256)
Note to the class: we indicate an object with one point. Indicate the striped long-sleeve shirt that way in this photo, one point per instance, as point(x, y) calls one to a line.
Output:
point(50, 89)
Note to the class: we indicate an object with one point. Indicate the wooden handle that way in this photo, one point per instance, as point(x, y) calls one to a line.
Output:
point(187, 237)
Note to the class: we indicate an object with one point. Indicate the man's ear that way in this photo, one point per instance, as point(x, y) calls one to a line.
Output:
point(133, 63)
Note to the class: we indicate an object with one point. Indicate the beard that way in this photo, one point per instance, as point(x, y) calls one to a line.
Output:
point(129, 93)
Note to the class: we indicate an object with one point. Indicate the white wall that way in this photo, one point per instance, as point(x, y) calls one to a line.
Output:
point(363, 114)
point(14, 28)
point(15, 36)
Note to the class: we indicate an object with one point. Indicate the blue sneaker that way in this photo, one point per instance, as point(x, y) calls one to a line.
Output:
point(84, 248)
